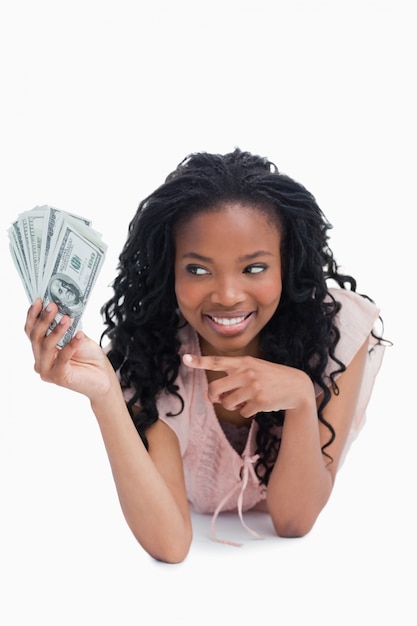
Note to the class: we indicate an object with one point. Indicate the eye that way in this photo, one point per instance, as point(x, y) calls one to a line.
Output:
point(197, 270)
point(256, 268)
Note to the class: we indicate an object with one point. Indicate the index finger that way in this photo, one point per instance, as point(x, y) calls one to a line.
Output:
point(213, 362)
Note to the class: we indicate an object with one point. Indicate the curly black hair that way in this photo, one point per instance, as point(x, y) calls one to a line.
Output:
point(142, 318)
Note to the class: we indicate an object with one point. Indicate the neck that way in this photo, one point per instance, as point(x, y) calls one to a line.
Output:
point(251, 349)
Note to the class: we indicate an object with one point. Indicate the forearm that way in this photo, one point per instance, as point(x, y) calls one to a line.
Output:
point(148, 505)
point(300, 482)
point(152, 495)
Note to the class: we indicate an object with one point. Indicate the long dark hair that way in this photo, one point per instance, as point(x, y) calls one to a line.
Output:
point(142, 319)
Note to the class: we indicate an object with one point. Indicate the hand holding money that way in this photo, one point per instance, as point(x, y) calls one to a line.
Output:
point(81, 365)
point(58, 257)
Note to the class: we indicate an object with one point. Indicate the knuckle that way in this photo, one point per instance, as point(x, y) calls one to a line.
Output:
point(228, 404)
point(44, 376)
point(257, 386)
point(216, 361)
point(28, 328)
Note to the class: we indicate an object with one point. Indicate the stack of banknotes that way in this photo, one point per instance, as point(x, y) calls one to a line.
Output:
point(58, 256)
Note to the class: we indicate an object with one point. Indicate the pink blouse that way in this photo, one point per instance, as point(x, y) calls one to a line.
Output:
point(217, 477)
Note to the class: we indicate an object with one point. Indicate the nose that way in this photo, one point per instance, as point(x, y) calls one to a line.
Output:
point(227, 291)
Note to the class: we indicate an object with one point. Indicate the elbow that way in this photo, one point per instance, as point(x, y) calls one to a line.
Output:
point(296, 521)
point(170, 558)
point(173, 554)
point(171, 550)
point(293, 525)
point(292, 529)
point(166, 542)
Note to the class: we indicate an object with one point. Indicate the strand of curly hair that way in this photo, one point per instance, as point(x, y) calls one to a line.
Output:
point(142, 320)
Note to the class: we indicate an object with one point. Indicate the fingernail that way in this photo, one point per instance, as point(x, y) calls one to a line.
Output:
point(187, 358)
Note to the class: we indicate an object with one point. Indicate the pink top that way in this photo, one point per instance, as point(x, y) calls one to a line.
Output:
point(216, 476)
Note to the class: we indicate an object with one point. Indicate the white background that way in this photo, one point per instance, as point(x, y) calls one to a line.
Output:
point(100, 100)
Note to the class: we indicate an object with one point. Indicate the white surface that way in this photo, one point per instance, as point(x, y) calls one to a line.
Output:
point(100, 101)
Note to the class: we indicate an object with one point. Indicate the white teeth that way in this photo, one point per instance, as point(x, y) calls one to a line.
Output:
point(228, 321)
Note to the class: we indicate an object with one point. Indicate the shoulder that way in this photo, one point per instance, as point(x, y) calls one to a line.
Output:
point(355, 321)
point(356, 310)
point(362, 353)
point(176, 411)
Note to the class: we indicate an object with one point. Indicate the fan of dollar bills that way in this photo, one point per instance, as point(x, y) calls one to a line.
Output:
point(58, 256)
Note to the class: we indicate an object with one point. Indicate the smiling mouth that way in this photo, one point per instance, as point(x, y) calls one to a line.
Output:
point(229, 325)
point(229, 321)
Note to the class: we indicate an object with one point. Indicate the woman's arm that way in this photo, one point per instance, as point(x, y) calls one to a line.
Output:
point(150, 485)
point(303, 477)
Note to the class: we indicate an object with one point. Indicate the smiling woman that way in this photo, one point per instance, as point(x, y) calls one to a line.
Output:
point(228, 277)
point(236, 376)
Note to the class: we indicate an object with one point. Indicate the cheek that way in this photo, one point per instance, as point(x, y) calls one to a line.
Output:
point(178, 284)
point(270, 293)
point(185, 293)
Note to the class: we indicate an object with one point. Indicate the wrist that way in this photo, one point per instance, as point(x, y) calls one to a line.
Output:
point(306, 398)
point(109, 401)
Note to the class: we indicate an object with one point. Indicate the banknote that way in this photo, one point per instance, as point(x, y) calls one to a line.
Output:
point(52, 226)
point(20, 255)
point(58, 256)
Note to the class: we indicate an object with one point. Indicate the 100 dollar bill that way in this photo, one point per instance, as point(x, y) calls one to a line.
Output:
point(70, 274)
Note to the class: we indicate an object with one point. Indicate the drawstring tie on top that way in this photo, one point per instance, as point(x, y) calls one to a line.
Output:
point(246, 471)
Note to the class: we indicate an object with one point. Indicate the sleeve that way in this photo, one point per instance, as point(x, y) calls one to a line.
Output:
point(169, 411)
point(169, 407)
point(356, 320)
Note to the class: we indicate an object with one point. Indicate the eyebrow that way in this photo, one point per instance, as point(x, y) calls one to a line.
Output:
point(241, 259)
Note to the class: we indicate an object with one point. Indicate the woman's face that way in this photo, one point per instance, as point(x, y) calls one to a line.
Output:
point(228, 276)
